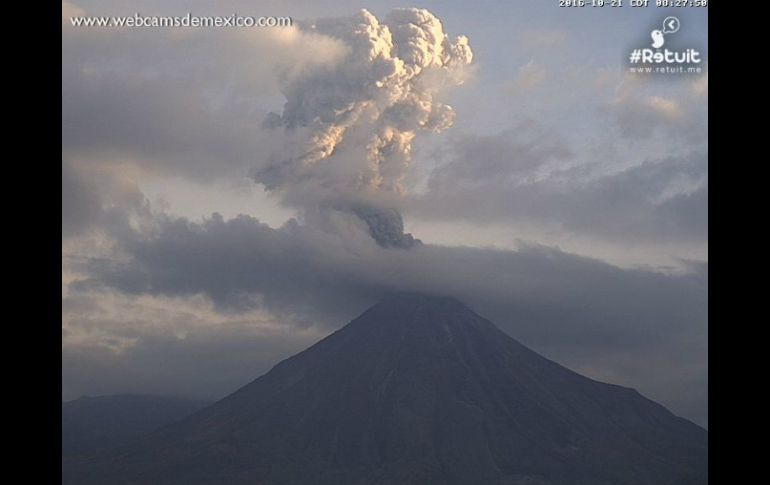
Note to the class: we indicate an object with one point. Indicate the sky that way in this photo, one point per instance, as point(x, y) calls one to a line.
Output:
point(232, 195)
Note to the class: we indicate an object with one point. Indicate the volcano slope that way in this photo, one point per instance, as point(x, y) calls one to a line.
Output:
point(416, 390)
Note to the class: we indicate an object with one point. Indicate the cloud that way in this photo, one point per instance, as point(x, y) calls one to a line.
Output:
point(357, 92)
point(183, 101)
point(519, 176)
point(113, 342)
point(542, 38)
point(572, 308)
point(701, 86)
point(631, 169)
point(529, 76)
point(360, 116)
point(99, 197)
point(639, 117)
point(509, 157)
point(641, 110)
point(80, 204)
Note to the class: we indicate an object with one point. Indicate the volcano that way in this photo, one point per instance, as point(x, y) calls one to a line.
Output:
point(416, 390)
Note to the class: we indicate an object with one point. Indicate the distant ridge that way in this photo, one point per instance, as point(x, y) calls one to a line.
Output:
point(91, 424)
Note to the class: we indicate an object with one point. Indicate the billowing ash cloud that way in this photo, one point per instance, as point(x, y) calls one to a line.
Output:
point(356, 119)
point(386, 227)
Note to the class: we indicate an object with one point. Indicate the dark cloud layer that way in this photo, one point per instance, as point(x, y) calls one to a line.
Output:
point(551, 300)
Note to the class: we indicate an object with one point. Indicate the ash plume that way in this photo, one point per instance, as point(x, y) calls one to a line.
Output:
point(352, 123)
point(386, 226)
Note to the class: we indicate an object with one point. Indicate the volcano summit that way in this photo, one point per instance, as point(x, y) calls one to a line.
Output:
point(416, 390)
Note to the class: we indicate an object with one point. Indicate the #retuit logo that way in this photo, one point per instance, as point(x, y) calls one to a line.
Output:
point(657, 59)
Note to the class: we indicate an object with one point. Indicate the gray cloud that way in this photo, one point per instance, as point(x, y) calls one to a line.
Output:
point(642, 112)
point(80, 204)
point(513, 156)
point(98, 198)
point(517, 177)
point(145, 96)
point(117, 343)
point(631, 167)
point(327, 273)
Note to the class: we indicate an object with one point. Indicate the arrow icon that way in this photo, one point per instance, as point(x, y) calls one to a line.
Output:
point(670, 25)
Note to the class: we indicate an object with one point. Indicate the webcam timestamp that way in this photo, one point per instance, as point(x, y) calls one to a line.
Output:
point(633, 3)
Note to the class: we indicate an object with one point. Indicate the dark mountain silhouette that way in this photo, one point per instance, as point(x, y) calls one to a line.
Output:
point(90, 424)
point(417, 390)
